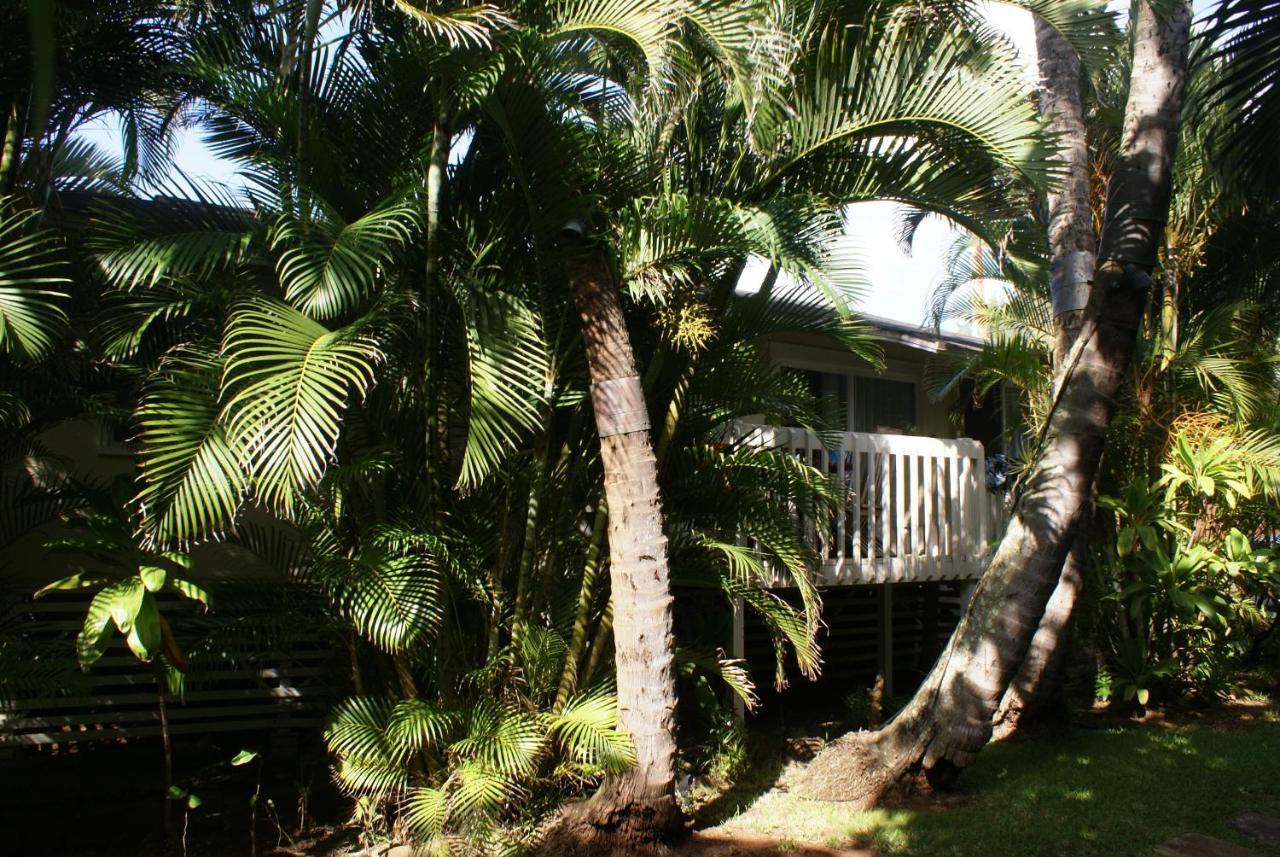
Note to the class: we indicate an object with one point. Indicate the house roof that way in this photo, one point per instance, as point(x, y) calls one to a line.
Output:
point(921, 337)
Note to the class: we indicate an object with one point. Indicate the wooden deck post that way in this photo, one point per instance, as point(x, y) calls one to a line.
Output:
point(885, 620)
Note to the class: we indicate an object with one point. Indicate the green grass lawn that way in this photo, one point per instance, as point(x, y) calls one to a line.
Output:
point(1089, 792)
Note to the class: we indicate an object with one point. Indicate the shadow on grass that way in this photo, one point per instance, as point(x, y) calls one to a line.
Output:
point(766, 762)
point(1119, 792)
point(1090, 792)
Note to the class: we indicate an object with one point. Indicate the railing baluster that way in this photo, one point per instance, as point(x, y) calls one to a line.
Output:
point(842, 513)
point(854, 499)
point(912, 508)
point(884, 480)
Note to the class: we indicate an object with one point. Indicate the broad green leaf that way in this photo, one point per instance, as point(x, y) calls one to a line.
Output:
point(244, 757)
point(1124, 541)
point(153, 577)
point(92, 639)
point(143, 636)
point(79, 580)
point(125, 600)
point(190, 590)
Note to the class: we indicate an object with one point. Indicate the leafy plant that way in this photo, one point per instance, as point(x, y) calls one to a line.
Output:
point(128, 578)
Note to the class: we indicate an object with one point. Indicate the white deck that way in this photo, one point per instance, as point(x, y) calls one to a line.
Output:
point(917, 508)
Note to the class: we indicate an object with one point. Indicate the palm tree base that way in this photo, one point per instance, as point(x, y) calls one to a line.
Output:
point(615, 821)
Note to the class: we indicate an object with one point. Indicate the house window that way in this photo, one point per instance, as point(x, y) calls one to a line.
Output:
point(831, 389)
point(881, 405)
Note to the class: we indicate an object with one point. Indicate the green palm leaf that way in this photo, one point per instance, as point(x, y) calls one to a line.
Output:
point(416, 724)
point(356, 734)
point(328, 266)
point(191, 474)
point(502, 738)
point(927, 84)
point(469, 26)
point(193, 235)
point(30, 263)
point(286, 384)
point(650, 26)
point(426, 811)
point(393, 601)
point(586, 730)
point(508, 377)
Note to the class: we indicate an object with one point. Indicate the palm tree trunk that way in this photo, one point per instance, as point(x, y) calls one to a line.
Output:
point(1072, 244)
point(948, 721)
point(1073, 252)
point(9, 150)
point(638, 806)
point(1041, 672)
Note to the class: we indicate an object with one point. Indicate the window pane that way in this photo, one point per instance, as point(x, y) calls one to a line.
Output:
point(882, 405)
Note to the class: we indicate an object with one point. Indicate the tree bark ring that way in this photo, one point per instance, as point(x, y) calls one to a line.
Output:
point(619, 406)
point(1072, 276)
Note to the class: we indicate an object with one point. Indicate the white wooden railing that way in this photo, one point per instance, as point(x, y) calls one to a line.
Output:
point(916, 508)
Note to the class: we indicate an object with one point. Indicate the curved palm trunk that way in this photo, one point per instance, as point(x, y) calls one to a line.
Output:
point(638, 806)
point(948, 721)
point(1039, 677)
point(1073, 251)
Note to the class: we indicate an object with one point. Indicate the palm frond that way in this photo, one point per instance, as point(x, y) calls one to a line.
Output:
point(910, 81)
point(31, 267)
point(327, 266)
point(508, 378)
point(469, 26)
point(648, 25)
point(199, 232)
point(502, 738)
point(356, 733)
point(286, 384)
point(1089, 26)
point(415, 725)
point(191, 475)
point(394, 600)
point(1245, 40)
point(586, 731)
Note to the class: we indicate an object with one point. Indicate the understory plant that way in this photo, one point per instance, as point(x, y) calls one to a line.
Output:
point(1194, 570)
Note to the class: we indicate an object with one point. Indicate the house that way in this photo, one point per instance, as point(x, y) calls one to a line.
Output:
point(919, 519)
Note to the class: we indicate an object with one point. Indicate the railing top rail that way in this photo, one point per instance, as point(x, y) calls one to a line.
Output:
point(904, 443)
